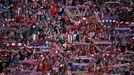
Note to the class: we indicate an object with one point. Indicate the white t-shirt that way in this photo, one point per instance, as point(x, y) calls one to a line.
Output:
point(34, 37)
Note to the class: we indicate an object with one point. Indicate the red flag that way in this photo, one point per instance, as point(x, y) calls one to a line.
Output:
point(53, 11)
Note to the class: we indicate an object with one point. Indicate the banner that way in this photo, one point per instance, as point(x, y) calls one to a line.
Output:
point(7, 28)
point(123, 29)
point(72, 15)
point(81, 64)
point(28, 62)
point(103, 42)
point(77, 6)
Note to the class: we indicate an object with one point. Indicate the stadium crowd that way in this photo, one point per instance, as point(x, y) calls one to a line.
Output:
point(78, 35)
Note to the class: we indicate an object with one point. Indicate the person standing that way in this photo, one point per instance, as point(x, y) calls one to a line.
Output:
point(1, 67)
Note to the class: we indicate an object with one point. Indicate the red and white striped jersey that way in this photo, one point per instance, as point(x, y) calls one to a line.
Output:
point(70, 38)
